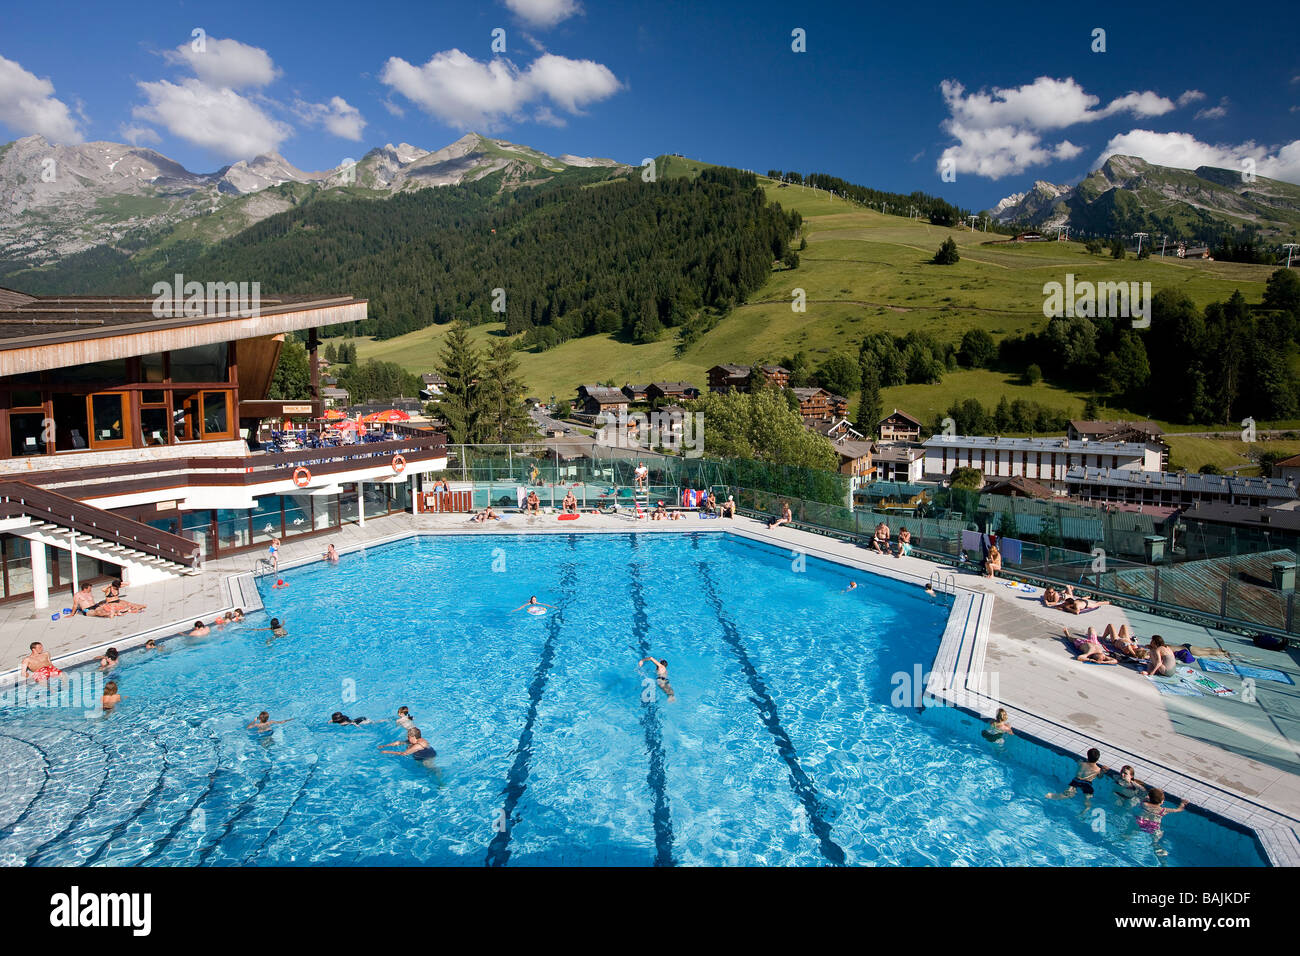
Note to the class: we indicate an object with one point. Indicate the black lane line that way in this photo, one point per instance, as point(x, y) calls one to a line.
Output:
point(498, 853)
point(800, 782)
point(654, 743)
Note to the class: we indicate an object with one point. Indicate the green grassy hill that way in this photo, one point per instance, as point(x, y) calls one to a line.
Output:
point(862, 271)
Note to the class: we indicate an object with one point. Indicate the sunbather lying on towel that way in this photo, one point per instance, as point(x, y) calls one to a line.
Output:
point(1077, 603)
point(1122, 642)
point(1089, 647)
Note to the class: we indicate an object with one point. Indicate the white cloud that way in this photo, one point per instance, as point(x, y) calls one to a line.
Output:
point(219, 120)
point(28, 105)
point(543, 13)
point(1000, 132)
point(227, 63)
point(467, 93)
point(1185, 151)
point(338, 116)
point(1214, 112)
point(139, 135)
point(1190, 96)
point(393, 108)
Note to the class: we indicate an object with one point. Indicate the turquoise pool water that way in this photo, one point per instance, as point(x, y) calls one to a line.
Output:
point(783, 746)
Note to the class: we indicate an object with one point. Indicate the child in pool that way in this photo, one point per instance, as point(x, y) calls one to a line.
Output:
point(1151, 816)
point(1089, 771)
point(264, 722)
point(404, 719)
point(109, 659)
point(1128, 787)
point(111, 697)
point(998, 727)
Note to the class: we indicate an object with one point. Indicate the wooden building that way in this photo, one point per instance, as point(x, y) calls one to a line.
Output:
point(899, 426)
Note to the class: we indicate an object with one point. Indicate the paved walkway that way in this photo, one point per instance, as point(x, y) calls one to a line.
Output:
point(1244, 748)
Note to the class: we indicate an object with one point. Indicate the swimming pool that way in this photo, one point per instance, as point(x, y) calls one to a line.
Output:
point(785, 745)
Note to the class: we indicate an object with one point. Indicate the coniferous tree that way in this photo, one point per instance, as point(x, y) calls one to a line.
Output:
point(501, 391)
point(460, 404)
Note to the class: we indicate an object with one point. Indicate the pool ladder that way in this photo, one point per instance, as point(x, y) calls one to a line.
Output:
point(940, 583)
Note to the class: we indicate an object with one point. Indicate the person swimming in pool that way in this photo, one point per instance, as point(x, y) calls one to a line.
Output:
point(416, 747)
point(276, 629)
point(109, 659)
point(264, 723)
point(1151, 816)
point(1127, 786)
point(661, 676)
point(200, 630)
point(338, 717)
point(1089, 771)
point(532, 602)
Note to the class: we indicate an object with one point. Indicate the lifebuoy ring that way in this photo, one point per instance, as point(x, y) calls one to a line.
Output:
point(301, 477)
point(399, 464)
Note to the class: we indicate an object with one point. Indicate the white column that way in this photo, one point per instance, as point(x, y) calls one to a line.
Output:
point(361, 504)
point(40, 577)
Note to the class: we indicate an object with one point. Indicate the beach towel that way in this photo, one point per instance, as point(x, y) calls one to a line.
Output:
point(1174, 688)
point(1011, 550)
point(1194, 678)
point(1217, 666)
point(1263, 673)
point(972, 541)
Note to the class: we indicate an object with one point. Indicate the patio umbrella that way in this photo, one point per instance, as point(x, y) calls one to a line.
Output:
point(346, 424)
point(391, 415)
point(333, 415)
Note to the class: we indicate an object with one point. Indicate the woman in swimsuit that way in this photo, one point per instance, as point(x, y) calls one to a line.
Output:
point(1128, 787)
point(1151, 816)
point(1089, 648)
point(1123, 642)
point(416, 746)
point(111, 697)
point(113, 599)
point(1162, 659)
point(532, 602)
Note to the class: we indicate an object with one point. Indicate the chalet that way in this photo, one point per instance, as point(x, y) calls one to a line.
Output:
point(815, 403)
point(736, 378)
point(635, 393)
point(898, 426)
point(677, 391)
point(1288, 469)
point(125, 427)
point(833, 428)
point(434, 385)
point(899, 462)
point(1017, 486)
point(598, 399)
point(334, 397)
point(854, 458)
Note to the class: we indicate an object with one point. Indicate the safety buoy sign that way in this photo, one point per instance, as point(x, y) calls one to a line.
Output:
point(301, 477)
point(399, 464)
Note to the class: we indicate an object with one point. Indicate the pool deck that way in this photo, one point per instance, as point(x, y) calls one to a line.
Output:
point(1234, 757)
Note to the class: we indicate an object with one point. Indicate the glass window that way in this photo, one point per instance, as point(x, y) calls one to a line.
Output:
point(399, 497)
point(202, 363)
point(112, 372)
point(297, 514)
point(109, 411)
point(153, 426)
point(266, 519)
point(348, 504)
point(18, 566)
point(185, 416)
point(26, 433)
point(325, 512)
point(24, 398)
point(232, 529)
point(151, 368)
point(197, 526)
point(151, 397)
point(216, 417)
point(376, 498)
point(72, 428)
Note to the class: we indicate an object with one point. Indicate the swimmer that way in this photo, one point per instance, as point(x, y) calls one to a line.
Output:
point(265, 723)
point(239, 614)
point(111, 697)
point(200, 630)
point(1152, 814)
point(340, 718)
point(109, 659)
point(416, 746)
point(1128, 787)
point(279, 583)
point(151, 645)
point(853, 586)
point(998, 727)
point(661, 676)
point(532, 602)
point(404, 719)
point(38, 664)
point(332, 555)
point(1089, 770)
point(276, 629)
point(273, 554)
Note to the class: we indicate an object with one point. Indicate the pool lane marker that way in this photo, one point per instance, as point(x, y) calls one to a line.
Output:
point(498, 853)
point(800, 782)
point(655, 776)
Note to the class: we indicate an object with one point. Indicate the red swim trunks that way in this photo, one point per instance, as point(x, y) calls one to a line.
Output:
point(46, 672)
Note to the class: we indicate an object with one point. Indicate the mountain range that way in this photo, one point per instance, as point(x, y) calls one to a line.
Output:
point(1126, 195)
point(58, 200)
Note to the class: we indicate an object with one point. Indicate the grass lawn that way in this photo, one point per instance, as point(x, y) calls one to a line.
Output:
point(1191, 452)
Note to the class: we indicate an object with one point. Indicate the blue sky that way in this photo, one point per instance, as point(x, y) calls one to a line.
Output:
point(881, 96)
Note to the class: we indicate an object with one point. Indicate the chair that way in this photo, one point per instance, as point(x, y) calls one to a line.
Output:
point(77, 440)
